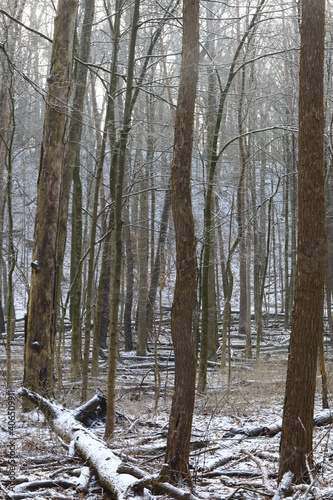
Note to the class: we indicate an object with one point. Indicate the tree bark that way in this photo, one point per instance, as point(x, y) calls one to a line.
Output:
point(180, 421)
point(38, 366)
point(118, 226)
point(141, 345)
point(307, 320)
point(71, 165)
point(76, 275)
point(129, 281)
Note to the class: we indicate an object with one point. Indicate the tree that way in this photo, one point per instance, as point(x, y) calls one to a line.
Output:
point(39, 344)
point(180, 422)
point(71, 174)
point(307, 319)
point(118, 223)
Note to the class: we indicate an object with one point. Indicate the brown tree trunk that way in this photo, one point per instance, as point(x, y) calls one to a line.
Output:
point(141, 344)
point(39, 342)
point(180, 422)
point(307, 319)
point(118, 228)
point(129, 280)
point(71, 170)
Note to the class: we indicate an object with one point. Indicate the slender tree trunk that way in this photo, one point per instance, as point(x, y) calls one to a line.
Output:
point(90, 279)
point(129, 280)
point(293, 206)
point(115, 288)
point(264, 274)
point(4, 129)
point(324, 386)
point(159, 258)
point(108, 130)
point(141, 345)
point(180, 421)
point(11, 248)
point(101, 322)
point(307, 320)
point(243, 302)
point(76, 276)
point(286, 241)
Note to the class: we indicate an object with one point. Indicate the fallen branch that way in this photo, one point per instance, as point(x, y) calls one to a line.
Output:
point(88, 408)
point(262, 468)
point(47, 483)
point(220, 461)
point(153, 483)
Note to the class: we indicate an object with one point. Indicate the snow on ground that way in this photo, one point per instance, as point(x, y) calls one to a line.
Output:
point(224, 464)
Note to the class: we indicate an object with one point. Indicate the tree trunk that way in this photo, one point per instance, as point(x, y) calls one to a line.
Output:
point(101, 325)
point(263, 275)
point(286, 240)
point(11, 248)
point(141, 345)
point(307, 321)
point(39, 344)
point(118, 224)
point(180, 421)
point(71, 165)
point(129, 280)
point(243, 157)
point(76, 276)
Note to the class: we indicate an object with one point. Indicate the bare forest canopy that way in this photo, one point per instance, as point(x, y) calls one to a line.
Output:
point(155, 162)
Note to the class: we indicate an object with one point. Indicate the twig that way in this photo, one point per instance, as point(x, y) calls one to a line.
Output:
point(262, 468)
point(309, 488)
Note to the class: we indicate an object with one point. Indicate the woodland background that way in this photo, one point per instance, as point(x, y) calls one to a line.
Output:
point(247, 96)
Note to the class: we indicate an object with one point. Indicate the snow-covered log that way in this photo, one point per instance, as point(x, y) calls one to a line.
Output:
point(321, 419)
point(87, 445)
point(113, 475)
point(264, 430)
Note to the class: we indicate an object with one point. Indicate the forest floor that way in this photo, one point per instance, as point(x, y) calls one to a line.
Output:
point(227, 460)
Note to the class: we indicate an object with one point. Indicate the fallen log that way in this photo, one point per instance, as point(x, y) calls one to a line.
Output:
point(87, 445)
point(111, 473)
point(87, 409)
point(321, 419)
point(265, 430)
